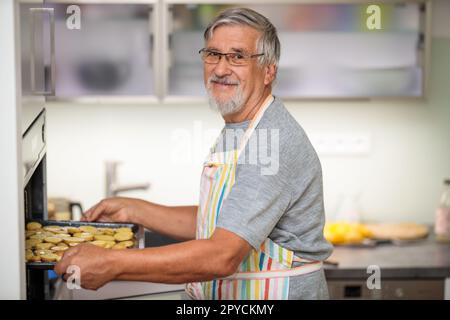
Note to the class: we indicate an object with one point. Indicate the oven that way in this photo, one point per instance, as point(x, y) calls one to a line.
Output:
point(38, 283)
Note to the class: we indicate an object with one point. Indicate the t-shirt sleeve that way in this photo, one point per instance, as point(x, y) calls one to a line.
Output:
point(255, 203)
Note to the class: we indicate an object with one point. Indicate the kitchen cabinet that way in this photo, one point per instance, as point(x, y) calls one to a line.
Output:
point(395, 289)
point(415, 270)
point(104, 49)
point(37, 48)
point(148, 50)
point(327, 49)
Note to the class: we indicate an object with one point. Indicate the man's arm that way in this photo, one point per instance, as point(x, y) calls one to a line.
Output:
point(175, 222)
point(197, 260)
point(190, 261)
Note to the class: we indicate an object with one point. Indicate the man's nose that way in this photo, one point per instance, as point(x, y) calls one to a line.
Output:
point(222, 68)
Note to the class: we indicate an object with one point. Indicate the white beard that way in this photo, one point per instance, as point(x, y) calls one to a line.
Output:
point(230, 106)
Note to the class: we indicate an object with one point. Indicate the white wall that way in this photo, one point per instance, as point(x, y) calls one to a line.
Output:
point(400, 179)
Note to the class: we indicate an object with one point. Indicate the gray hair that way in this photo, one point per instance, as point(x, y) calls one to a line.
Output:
point(268, 43)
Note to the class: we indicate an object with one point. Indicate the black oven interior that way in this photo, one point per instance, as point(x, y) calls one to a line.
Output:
point(39, 282)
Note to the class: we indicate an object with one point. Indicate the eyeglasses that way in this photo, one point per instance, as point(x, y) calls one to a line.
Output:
point(233, 58)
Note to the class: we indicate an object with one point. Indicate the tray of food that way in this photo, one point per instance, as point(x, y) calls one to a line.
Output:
point(352, 234)
point(348, 234)
point(399, 233)
point(47, 240)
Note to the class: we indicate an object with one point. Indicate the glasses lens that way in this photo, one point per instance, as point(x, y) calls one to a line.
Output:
point(237, 59)
point(210, 56)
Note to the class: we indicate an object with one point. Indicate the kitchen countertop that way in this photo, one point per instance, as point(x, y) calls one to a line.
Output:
point(420, 259)
point(424, 259)
point(410, 260)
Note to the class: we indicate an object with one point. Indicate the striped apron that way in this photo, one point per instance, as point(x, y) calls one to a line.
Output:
point(264, 273)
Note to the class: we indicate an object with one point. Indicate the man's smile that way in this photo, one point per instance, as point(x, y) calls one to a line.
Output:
point(224, 84)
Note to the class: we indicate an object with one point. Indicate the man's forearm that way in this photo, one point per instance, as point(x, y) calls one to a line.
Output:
point(176, 222)
point(191, 261)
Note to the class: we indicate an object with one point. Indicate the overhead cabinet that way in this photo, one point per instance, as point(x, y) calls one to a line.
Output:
point(330, 50)
point(104, 49)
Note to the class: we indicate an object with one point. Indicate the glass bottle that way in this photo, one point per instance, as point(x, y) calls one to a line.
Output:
point(349, 208)
point(442, 222)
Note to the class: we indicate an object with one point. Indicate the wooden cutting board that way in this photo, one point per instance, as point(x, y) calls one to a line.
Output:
point(398, 231)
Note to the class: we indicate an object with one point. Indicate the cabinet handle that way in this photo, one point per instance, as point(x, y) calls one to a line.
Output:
point(50, 12)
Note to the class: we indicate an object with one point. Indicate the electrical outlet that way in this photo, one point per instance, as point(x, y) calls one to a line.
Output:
point(341, 143)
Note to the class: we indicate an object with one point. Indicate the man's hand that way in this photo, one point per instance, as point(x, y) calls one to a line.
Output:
point(177, 222)
point(116, 209)
point(96, 265)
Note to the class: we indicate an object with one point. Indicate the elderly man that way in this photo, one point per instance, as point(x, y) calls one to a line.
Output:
point(255, 234)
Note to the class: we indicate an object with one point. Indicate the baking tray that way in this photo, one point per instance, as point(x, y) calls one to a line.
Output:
point(137, 229)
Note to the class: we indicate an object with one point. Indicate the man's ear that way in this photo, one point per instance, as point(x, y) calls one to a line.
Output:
point(271, 70)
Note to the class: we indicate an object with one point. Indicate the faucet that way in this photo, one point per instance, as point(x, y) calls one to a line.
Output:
point(112, 187)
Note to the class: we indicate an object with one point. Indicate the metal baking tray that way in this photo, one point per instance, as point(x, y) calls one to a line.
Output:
point(137, 229)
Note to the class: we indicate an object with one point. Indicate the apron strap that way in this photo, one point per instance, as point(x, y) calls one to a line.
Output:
point(254, 122)
point(301, 270)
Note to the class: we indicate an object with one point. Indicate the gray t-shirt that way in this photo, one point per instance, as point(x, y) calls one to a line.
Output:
point(278, 193)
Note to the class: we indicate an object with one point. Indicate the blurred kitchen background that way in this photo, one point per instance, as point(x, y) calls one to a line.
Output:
point(389, 152)
point(126, 115)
